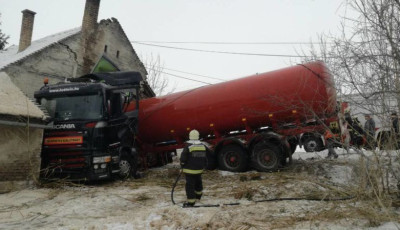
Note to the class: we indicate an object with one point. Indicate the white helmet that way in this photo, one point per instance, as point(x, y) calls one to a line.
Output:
point(194, 135)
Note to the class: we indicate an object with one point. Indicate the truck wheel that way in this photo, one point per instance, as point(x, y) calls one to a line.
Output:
point(232, 158)
point(312, 144)
point(266, 157)
point(126, 166)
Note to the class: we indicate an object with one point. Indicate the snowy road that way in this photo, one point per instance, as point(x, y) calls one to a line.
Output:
point(145, 203)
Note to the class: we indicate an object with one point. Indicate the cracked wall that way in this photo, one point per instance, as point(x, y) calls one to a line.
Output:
point(56, 62)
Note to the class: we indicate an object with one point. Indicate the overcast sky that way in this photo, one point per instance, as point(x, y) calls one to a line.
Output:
point(225, 21)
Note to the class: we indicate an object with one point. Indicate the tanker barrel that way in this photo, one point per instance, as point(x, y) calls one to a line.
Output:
point(291, 95)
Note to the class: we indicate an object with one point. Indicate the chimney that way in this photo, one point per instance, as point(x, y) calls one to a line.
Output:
point(89, 26)
point(25, 38)
point(89, 22)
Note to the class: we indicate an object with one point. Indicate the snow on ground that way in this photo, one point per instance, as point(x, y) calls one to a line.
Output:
point(146, 203)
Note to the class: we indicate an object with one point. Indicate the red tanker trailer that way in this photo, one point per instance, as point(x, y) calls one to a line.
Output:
point(253, 121)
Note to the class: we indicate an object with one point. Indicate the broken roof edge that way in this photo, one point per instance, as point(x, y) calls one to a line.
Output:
point(114, 20)
point(14, 103)
point(11, 55)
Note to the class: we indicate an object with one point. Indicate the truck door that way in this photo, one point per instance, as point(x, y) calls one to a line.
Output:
point(123, 112)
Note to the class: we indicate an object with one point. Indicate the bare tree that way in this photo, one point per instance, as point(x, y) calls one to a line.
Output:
point(365, 60)
point(156, 79)
point(3, 38)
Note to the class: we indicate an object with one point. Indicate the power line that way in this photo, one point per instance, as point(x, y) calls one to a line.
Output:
point(180, 71)
point(199, 75)
point(174, 75)
point(224, 52)
point(230, 43)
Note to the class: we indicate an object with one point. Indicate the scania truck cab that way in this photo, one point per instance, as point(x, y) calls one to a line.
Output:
point(93, 132)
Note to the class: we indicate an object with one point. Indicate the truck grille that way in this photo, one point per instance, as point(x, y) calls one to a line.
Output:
point(70, 160)
point(65, 150)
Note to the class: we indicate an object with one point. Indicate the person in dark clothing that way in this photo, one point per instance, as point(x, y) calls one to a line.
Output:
point(357, 133)
point(193, 161)
point(395, 123)
point(369, 128)
point(348, 119)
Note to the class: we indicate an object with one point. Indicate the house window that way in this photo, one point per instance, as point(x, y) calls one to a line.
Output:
point(105, 65)
point(105, 49)
point(117, 53)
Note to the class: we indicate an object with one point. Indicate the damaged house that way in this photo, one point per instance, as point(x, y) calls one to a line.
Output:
point(100, 47)
point(94, 47)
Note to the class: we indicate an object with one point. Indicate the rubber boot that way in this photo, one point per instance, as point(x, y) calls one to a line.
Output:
point(198, 196)
point(188, 204)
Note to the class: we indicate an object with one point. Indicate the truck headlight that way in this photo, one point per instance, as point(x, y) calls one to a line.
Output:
point(105, 159)
point(101, 124)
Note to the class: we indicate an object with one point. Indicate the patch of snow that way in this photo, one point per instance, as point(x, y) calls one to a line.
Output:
point(153, 217)
point(340, 174)
point(226, 173)
point(387, 226)
point(120, 226)
point(145, 203)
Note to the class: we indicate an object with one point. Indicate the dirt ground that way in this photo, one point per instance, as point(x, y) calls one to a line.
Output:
point(295, 198)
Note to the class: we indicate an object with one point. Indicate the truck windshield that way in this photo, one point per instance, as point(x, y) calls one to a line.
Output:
point(74, 107)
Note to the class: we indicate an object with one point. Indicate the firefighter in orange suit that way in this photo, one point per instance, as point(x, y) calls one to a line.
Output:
point(193, 161)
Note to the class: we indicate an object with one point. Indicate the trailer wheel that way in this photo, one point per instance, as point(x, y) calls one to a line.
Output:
point(232, 158)
point(266, 157)
point(312, 144)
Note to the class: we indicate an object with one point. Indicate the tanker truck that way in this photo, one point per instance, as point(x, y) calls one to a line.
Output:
point(253, 122)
